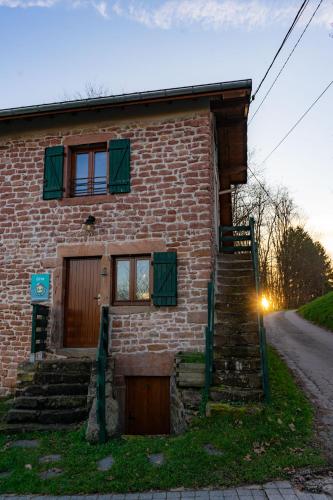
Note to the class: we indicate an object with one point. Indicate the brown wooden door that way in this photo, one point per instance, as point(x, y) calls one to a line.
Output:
point(147, 405)
point(82, 311)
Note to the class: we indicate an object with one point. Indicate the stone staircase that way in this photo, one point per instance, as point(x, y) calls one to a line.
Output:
point(50, 394)
point(237, 366)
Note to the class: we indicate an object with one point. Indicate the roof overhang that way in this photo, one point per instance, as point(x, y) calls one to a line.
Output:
point(219, 92)
point(231, 112)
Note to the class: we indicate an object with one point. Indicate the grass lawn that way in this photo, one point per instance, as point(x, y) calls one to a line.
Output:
point(256, 448)
point(319, 311)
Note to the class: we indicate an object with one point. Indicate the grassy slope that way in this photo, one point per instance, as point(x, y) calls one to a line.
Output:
point(255, 448)
point(320, 311)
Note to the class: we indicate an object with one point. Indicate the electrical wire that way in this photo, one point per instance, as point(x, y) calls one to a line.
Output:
point(298, 15)
point(286, 61)
point(297, 122)
point(279, 144)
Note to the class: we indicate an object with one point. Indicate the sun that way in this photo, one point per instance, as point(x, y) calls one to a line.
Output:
point(265, 303)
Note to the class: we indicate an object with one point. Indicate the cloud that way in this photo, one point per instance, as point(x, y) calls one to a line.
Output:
point(27, 3)
point(208, 14)
point(217, 13)
point(102, 8)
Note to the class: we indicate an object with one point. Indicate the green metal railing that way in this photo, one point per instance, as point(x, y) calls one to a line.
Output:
point(262, 331)
point(102, 357)
point(235, 239)
point(209, 334)
point(40, 315)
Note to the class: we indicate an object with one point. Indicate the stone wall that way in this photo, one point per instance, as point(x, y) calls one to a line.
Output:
point(170, 207)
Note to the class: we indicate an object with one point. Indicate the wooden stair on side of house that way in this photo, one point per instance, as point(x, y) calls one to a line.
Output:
point(50, 394)
point(237, 366)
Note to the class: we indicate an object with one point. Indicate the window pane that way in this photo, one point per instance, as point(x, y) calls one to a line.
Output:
point(123, 275)
point(100, 172)
point(81, 177)
point(142, 279)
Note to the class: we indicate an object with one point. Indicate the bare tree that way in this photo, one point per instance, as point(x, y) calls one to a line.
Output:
point(90, 91)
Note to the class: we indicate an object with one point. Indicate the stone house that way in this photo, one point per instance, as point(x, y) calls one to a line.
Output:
point(118, 200)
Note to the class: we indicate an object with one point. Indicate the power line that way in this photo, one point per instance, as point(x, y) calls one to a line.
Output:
point(284, 65)
point(279, 144)
point(297, 122)
point(298, 15)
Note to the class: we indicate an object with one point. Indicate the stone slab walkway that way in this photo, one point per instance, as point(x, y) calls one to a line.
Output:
point(279, 490)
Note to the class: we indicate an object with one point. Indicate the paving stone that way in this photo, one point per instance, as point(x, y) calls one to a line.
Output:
point(157, 459)
point(212, 450)
point(105, 464)
point(49, 458)
point(304, 495)
point(49, 474)
point(243, 491)
point(159, 495)
point(145, 496)
point(25, 443)
point(132, 496)
point(283, 484)
point(170, 494)
point(288, 496)
point(117, 497)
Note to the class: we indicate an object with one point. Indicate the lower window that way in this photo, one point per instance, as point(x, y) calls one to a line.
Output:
point(132, 280)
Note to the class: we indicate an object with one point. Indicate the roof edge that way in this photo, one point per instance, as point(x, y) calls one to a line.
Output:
point(132, 98)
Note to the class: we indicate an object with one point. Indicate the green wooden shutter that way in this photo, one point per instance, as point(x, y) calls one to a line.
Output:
point(119, 166)
point(165, 279)
point(53, 173)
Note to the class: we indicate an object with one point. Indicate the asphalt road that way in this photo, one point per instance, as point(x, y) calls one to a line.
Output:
point(308, 351)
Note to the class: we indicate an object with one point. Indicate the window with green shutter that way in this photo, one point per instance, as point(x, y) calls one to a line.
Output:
point(119, 166)
point(165, 279)
point(53, 173)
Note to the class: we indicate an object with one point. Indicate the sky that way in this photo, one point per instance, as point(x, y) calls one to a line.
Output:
point(51, 49)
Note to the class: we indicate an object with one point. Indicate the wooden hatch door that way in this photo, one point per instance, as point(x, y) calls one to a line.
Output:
point(147, 405)
point(82, 311)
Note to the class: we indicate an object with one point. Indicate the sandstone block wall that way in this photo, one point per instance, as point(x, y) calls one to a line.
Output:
point(171, 200)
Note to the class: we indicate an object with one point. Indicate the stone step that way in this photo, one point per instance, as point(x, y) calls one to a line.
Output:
point(239, 351)
point(223, 289)
point(228, 329)
point(18, 428)
point(234, 257)
point(234, 273)
point(235, 281)
point(51, 402)
point(65, 365)
point(226, 364)
point(244, 338)
point(235, 264)
point(234, 318)
point(53, 390)
point(231, 307)
point(238, 379)
point(47, 416)
point(235, 394)
point(44, 377)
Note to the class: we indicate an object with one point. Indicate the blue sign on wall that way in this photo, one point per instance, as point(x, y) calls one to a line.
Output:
point(40, 287)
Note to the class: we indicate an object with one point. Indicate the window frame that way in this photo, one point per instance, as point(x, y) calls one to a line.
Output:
point(132, 280)
point(90, 149)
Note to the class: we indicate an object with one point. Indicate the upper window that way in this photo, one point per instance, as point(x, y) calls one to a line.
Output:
point(132, 280)
point(89, 170)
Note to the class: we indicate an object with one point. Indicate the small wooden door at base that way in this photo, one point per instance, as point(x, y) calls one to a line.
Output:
point(147, 405)
point(82, 311)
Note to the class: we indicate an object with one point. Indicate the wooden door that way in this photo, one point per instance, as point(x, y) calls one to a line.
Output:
point(82, 311)
point(147, 405)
